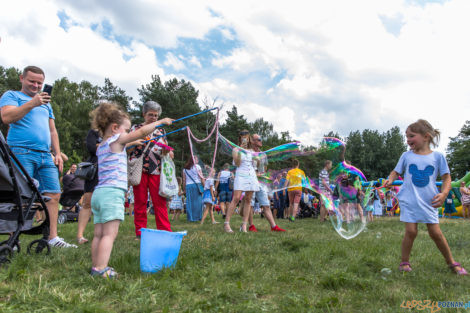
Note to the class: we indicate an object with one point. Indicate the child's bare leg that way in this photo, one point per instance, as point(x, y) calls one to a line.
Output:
point(250, 217)
point(105, 245)
point(211, 211)
point(436, 234)
point(206, 210)
point(411, 231)
point(97, 234)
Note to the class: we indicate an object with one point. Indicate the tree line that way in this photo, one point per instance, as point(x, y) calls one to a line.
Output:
point(373, 152)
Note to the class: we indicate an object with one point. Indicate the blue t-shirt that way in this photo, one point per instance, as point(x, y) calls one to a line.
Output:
point(32, 131)
point(282, 185)
point(419, 186)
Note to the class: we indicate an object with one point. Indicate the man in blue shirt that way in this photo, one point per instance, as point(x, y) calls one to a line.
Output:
point(31, 135)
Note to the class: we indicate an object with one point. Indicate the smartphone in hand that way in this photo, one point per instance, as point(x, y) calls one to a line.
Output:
point(48, 89)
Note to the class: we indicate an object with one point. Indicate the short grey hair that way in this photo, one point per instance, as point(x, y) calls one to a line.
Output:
point(152, 106)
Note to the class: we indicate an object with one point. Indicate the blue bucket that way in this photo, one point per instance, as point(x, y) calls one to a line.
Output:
point(159, 249)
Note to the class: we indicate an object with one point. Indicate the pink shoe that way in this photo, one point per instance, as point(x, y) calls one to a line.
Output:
point(462, 271)
point(277, 228)
point(402, 267)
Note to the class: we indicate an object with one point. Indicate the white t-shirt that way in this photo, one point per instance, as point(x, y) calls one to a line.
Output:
point(192, 175)
point(419, 186)
point(209, 183)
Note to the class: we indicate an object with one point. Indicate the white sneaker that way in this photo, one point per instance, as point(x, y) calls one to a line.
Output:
point(60, 243)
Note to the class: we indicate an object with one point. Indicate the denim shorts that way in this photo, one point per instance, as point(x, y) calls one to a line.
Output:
point(225, 196)
point(39, 165)
point(107, 204)
point(262, 197)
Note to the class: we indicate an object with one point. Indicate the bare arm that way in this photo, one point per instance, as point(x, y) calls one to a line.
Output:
point(439, 199)
point(236, 155)
point(55, 145)
point(11, 114)
point(142, 132)
point(183, 184)
point(217, 182)
point(391, 178)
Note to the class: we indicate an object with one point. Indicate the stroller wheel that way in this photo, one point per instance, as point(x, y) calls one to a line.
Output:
point(62, 218)
point(38, 246)
point(16, 245)
point(5, 254)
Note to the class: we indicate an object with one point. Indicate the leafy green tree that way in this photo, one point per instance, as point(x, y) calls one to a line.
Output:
point(72, 104)
point(394, 148)
point(178, 98)
point(458, 152)
point(110, 92)
point(9, 80)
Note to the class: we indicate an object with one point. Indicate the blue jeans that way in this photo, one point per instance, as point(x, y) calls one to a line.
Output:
point(193, 203)
point(39, 165)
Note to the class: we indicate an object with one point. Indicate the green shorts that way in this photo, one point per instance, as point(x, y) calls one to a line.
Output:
point(107, 204)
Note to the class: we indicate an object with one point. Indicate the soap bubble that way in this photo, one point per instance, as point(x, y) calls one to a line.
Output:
point(345, 205)
point(385, 273)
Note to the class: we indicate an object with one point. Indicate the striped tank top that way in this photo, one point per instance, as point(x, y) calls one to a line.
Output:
point(112, 167)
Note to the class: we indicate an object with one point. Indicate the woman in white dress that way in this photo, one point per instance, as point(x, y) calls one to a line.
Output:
point(245, 180)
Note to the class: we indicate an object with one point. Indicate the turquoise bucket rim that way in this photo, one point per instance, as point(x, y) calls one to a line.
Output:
point(178, 233)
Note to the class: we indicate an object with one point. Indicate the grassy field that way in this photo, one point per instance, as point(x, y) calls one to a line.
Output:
point(307, 269)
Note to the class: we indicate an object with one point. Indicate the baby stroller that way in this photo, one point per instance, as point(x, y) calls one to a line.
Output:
point(70, 201)
point(19, 201)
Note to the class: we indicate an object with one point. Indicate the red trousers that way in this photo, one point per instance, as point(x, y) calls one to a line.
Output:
point(149, 183)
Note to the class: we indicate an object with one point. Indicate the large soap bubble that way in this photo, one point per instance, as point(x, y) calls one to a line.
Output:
point(344, 206)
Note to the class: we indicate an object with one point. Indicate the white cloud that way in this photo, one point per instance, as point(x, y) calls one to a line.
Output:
point(154, 22)
point(338, 69)
point(174, 62)
point(195, 61)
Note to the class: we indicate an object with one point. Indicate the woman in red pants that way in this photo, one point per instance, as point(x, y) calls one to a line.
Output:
point(150, 182)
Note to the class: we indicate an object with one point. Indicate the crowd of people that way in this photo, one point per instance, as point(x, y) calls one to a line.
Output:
point(112, 142)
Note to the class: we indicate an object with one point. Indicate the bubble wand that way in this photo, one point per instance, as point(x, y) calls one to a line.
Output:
point(177, 120)
point(185, 117)
point(158, 137)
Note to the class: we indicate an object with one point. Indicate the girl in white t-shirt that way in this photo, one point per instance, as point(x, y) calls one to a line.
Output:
point(419, 197)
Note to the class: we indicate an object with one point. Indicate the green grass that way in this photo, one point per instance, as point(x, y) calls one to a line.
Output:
point(307, 269)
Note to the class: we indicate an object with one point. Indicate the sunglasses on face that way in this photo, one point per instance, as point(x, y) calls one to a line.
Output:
point(258, 139)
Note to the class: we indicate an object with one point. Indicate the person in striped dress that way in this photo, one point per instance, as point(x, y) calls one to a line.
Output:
point(107, 202)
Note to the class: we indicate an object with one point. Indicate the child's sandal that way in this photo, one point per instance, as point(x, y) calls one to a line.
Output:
point(461, 271)
point(107, 272)
point(405, 267)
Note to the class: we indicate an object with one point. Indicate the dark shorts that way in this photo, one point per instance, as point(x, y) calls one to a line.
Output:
point(225, 196)
point(91, 184)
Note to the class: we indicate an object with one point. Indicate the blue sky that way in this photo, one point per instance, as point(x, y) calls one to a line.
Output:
point(307, 67)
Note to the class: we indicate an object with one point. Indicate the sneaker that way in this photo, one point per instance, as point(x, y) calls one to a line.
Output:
point(60, 243)
point(252, 228)
point(291, 219)
point(277, 228)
